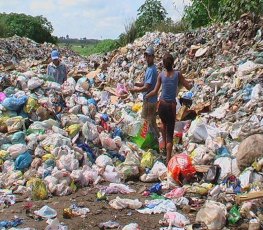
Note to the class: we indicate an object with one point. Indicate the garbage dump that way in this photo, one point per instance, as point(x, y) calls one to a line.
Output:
point(80, 149)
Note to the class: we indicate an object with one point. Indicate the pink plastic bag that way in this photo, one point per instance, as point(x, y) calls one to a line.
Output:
point(121, 89)
point(2, 97)
point(175, 193)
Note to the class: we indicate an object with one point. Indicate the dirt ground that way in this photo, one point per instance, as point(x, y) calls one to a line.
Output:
point(100, 211)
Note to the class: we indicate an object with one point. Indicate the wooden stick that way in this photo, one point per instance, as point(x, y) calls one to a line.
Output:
point(249, 196)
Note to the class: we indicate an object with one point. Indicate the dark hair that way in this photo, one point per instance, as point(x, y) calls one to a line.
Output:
point(168, 61)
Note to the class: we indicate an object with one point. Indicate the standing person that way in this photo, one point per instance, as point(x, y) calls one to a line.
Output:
point(150, 79)
point(56, 68)
point(169, 79)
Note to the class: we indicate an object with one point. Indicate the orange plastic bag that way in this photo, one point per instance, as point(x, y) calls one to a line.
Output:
point(180, 167)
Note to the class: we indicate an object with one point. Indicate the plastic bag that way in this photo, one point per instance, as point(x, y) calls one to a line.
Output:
point(176, 219)
point(2, 97)
point(34, 83)
point(68, 162)
point(147, 160)
point(73, 130)
point(107, 142)
point(119, 203)
point(13, 103)
point(110, 174)
point(158, 206)
point(175, 193)
point(3, 126)
point(23, 161)
point(38, 189)
point(18, 138)
point(121, 90)
point(31, 105)
point(180, 167)
point(46, 212)
point(90, 131)
point(158, 172)
point(145, 138)
point(213, 214)
point(14, 124)
point(103, 160)
point(197, 132)
point(202, 156)
point(16, 149)
point(68, 87)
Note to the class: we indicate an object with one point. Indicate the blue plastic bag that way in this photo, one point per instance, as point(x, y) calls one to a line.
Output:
point(13, 103)
point(156, 188)
point(18, 138)
point(23, 161)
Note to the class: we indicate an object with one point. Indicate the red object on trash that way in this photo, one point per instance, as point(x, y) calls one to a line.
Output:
point(180, 166)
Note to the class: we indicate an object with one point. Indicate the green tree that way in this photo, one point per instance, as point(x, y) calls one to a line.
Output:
point(37, 28)
point(149, 15)
point(203, 12)
point(232, 10)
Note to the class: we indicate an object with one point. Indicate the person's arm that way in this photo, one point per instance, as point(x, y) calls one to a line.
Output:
point(139, 84)
point(188, 85)
point(156, 88)
point(66, 73)
point(48, 70)
point(144, 88)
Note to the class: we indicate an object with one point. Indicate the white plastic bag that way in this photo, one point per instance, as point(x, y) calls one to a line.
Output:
point(213, 214)
point(16, 150)
point(90, 131)
point(119, 203)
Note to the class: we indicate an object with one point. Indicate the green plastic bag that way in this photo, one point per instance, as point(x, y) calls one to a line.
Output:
point(234, 215)
point(145, 138)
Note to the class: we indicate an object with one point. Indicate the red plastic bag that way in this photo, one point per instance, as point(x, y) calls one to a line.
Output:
point(180, 166)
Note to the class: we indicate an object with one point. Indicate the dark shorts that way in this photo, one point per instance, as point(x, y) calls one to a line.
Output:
point(167, 113)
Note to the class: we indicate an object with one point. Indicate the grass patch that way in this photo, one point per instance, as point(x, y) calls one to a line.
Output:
point(103, 46)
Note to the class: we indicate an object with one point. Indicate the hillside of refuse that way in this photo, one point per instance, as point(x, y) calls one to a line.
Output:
point(78, 142)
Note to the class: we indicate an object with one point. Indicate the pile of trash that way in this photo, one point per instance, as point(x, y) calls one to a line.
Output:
point(56, 138)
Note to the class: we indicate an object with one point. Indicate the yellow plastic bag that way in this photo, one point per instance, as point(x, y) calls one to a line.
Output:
point(3, 155)
point(38, 188)
point(48, 156)
point(137, 107)
point(31, 105)
point(15, 124)
point(73, 130)
point(147, 160)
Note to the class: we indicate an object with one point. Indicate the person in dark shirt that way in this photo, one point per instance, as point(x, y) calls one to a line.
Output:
point(169, 80)
point(56, 68)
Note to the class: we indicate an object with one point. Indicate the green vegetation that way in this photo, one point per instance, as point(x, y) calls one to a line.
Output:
point(151, 17)
point(204, 12)
point(88, 49)
point(150, 14)
point(37, 28)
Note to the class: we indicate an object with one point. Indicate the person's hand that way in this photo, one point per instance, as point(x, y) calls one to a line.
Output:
point(132, 90)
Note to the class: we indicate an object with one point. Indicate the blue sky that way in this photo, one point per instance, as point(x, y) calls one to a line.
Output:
point(98, 19)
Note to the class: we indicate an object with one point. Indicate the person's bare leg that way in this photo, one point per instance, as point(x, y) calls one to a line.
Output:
point(169, 148)
point(163, 131)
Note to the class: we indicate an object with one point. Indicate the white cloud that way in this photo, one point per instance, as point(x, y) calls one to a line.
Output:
point(39, 6)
